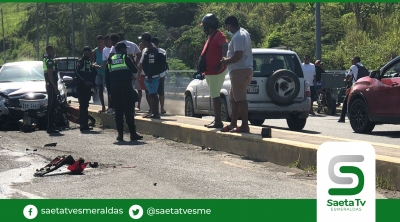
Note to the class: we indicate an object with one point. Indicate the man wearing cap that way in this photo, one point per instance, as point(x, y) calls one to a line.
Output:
point(119, 79)
point(215, 48)
point(85, 78)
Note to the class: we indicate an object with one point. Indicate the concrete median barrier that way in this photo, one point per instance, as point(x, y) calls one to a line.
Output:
point(252, 146)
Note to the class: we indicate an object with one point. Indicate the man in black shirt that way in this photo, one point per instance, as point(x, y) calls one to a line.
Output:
point(85, 77)
point(119, 79)
point(51, 78)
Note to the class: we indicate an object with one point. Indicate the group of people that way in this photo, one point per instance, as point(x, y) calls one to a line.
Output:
point(120, 66)
point(313, 74)
point(219, 58)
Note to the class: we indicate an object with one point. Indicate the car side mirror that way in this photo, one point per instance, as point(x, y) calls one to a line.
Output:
point(67, 79)
point(375, 74)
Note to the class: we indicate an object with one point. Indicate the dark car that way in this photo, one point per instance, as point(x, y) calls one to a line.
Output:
point(374, 99)
point(66, 67)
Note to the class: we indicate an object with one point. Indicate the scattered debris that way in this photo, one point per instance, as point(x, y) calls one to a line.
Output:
point(266, 132)
point(155, 184)
point(76, 167)
point(93, 164)
point(34, 149)
point(50, 144)
point(128, 167)
point(203, 147)
point(209, 149)
point(26, 149)
point(161, 138)
point(54, 165)
point(114, 166)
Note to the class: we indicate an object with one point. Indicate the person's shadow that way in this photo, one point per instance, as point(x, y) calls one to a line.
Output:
point(129, 143)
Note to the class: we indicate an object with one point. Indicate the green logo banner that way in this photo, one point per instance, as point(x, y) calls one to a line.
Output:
point(281, 210)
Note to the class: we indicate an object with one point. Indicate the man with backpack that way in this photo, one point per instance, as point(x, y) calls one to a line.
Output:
point(356, 72)
point(153, 63)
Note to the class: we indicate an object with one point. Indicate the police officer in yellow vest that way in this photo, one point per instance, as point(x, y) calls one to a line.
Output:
point(85, 76)
point(119, 79)
point(51, 78)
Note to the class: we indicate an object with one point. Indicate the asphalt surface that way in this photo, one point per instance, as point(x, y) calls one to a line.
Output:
point(319, 124)
point(153, 168)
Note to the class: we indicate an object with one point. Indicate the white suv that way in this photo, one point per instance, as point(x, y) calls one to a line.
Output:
point(277, 91)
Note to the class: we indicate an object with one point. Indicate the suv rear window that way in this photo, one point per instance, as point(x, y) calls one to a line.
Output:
point(66, 64)
point(266, 64)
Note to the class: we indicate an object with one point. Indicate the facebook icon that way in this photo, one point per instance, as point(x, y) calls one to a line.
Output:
point(30, 212)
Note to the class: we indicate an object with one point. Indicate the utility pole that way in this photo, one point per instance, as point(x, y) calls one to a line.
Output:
point(47, 23)
point(84, 24)
point(37, 32)
point(73, 29)
point(4, 41)
point(318, 31)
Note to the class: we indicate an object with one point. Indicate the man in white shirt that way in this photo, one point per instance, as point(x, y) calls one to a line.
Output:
point(353, 73)
point(132, 51)
point(161, 87)
point(239, 61)
point(309, 75)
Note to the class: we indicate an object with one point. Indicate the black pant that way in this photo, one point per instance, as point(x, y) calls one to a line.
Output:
point(51, 104)
point(84, 94)
point(110, 100)
point(124, 98)
point(344, 108)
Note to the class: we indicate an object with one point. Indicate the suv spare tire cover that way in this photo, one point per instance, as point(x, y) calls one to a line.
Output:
point(283, 86)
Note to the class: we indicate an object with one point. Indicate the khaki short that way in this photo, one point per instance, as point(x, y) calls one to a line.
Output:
point(240, 80)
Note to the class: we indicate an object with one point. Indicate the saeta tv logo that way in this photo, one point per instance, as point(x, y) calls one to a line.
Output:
point(346, 182)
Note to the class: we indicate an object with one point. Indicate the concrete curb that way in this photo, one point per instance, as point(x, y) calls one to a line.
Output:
point(251, 146)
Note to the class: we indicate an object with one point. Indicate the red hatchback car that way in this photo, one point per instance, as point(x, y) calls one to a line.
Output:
point(375, 99)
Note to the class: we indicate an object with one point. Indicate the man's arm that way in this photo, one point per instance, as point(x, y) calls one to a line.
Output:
point(131, 65)
point(238, 47)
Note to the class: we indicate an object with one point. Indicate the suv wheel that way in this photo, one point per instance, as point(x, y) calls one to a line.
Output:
point(189, 107)
point(224, 110)
point(295, 123)
point(358, 115)
point(283, 86)
point(256, 122)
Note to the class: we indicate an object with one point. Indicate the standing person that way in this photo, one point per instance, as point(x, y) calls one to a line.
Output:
point(100, 78)
point(240, 66)
point(137, 78)
point(309, 76)
point(318, 76)
point(142, 78)
point(153, 63)
point(357, 71)
point(106, 53)
point(132, 51)
point(84, 83)
point(51, 78)
point(215, 48)
point(118, 78)
point(161, 87)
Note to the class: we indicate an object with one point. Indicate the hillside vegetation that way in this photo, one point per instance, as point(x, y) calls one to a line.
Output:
point(369, 30)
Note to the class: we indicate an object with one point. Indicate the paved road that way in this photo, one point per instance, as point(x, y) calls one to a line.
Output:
point(131, 170)
point(319, 124)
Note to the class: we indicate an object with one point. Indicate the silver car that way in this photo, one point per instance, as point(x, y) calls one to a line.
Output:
point(23, 91)
point(278, 90)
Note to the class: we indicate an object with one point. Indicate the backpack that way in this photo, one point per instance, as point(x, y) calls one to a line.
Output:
point(362, 72)
point(154, 62)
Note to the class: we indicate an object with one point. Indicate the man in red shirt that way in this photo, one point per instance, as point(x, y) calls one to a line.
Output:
point(215, 48)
